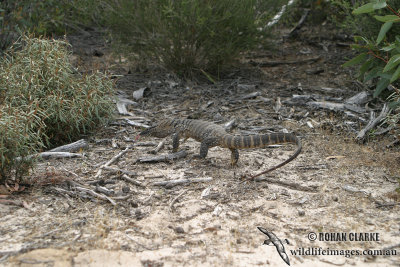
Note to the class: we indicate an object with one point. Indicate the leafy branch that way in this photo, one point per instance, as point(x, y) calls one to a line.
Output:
point(374, 65)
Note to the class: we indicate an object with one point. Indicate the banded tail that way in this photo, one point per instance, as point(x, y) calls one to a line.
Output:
point(254, 141)
point(259, 141)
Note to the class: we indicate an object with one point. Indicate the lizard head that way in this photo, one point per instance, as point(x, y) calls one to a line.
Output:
point(161, 130)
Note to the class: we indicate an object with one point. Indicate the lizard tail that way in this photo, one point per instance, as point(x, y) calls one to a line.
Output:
point(296, 153)
point(258, 141)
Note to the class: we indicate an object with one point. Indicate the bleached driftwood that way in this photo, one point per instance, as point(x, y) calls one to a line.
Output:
point(73, 147)
point(122, 104)
point(136, 124)
point(359, 99)
point(57, 155)
point(130, 180)
point(172, 183)
point(326, 105)
point(112, 160)
point(158, 148)
point(374, 121)
point(163, 158)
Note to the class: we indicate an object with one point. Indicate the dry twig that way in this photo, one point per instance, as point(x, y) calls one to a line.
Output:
point(130, 180)
point(172, 183)
point(163, 158)
point(374, 121)
point(171, 205)
point(112, 160)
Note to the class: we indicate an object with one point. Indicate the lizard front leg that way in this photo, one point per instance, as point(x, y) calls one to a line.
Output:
point(175, 142)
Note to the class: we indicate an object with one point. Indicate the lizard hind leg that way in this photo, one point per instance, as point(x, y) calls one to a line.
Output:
point(203, 150)
point(234, 156)
point(205, 145)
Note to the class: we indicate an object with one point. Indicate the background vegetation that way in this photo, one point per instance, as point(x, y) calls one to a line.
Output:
point(191, 35)
point(50, 17)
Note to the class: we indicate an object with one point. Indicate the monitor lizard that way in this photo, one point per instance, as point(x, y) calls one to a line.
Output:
point(210, 135)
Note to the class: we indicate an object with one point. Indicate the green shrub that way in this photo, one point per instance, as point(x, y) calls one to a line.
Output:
point(20, 135)
point(186, 35)
point(39, 70)
point(380, 57)
point(43, 99)
point(358, 24)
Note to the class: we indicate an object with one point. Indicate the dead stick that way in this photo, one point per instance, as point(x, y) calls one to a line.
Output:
point(130, 180)
point(300, 23)
point(159, 147)
point(91, 192)
point(172, 183)
point(373, 122)
point(276, 63)
point(163, 158)
point(118, 170)
point(171, 205)
point(73, 147)
point(112, 160)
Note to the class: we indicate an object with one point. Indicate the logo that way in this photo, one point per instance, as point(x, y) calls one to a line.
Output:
point(272, 238)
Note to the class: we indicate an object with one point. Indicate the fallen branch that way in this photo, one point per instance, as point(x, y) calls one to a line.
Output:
point(130, 180)
point(136, 124)
point(374, 121)
point(104, 190)
point(72, 194)
point(276, 63)
point(73, 147)
point(172, 183)
point(122, 104)
point(93, 193)
point(163, 158)
point(112, 160)
point(146, 144)
point(248, 96)
point(158, 148)
point(326, 105)
point(54, 155)
point(171, 205)
point(299, 24)
point(118, 170)
point(58, 155)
